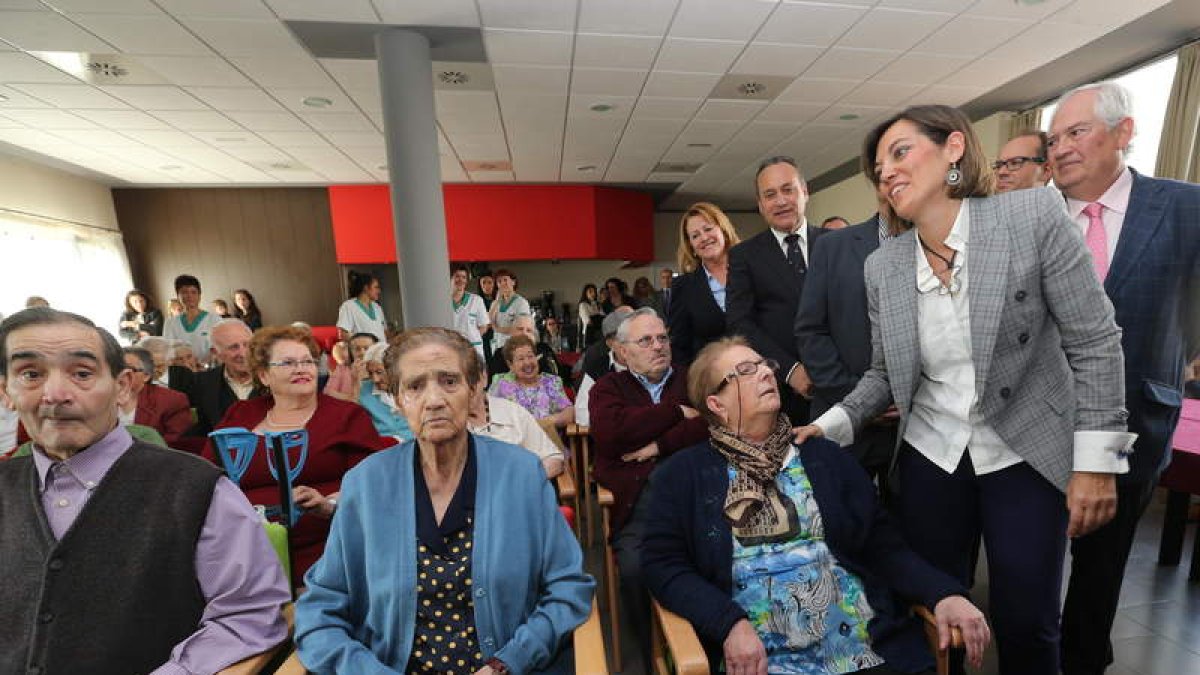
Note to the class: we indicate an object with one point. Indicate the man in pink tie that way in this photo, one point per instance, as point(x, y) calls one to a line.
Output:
point(1144, 238)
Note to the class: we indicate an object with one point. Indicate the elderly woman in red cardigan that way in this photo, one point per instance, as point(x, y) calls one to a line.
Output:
point(340, 435)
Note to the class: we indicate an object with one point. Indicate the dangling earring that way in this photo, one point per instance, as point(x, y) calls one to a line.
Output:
point(953, 175)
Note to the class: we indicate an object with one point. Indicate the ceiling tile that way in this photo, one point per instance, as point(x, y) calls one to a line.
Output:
point(356, 139)
point(761, 58)
point(898, 29)
point(607, 81)
point(31, 138)
point(11, 98)
point(235, 98)
point(19, 67)
point(241, 9)
point(952, 6)
point(155, 97)
point(698, 56)
point(920, 69)
point(529, 14)
point(1049, 40)
point(267, 121)
point(47, 31)
point(1022, 10)
point(107, 6)
point(667, 108)
point(632, 17)
point(368, 100)
point(196, 71)
point(848, 63)
point(988, 73)
point(96, 138)
point(346, 11)
point(294, 99)
point(530, 79)
point(737, 111)
point(537, 109)
point(971, 36)
point(245, 37)
point(720, 19)
point(816, 90)
point(581, 106)
point(881, 93)
point(794, 113)
point(805, 23)
point(429, 12)
point(79, 96)
point(651, 129)
point(716, 133)
point(528, 47)
point(615, 51)
point(861, 115)
point(123, 120)
point(228, 139)
point(47, 119)
point(338, 122)
point(492, 177)
point(191, 120)
point(143, 34)
point(353, 73)
point(1110, 13)
point(947, 95)
point(680, 85)
point(765, 131)
point(277, 71)
point(164, 139)
point(294, 139)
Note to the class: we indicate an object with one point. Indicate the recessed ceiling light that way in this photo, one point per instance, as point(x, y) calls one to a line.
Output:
point(699, 145)
point(601, 107)
point(317, 102)
point(230, 139)
point(848, 117)
point(281, 166)
point(586, 167)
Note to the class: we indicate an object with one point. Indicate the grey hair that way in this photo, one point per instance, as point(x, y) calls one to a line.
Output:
point(1113, 103)
point(375, 353)
point(144, 356)
point(155, 344)
point(45, 316)
point(177, 345)
point(623, 329)
point(230, 321)
point(533, 324)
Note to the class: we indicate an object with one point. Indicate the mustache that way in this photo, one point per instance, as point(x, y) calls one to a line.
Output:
point(58, 412)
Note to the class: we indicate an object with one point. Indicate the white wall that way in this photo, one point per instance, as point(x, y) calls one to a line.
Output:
point(34, 189)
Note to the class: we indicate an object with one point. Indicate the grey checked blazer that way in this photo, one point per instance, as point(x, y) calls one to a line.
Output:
point(1046, 350)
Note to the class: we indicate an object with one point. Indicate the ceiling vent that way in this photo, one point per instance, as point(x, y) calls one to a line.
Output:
point(676, 167)
point(750, 87)
point(101, 69)
point(462, 76)
point(488, 165)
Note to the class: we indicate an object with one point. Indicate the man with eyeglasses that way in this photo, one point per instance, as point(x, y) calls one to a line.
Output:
point(1144, 237)
point(148, 404)
point(639, 416)
point(1022, 162)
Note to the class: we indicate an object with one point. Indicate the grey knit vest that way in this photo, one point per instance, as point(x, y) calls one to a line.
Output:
point(119, 591)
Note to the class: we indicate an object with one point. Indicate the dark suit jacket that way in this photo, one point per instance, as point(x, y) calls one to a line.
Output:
point(833, 332)
point(694, 317)
point(1154, 285)
point(167, 411)
point(207, 392)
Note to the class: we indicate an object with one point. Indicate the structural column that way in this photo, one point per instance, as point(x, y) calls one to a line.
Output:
point(406, 86)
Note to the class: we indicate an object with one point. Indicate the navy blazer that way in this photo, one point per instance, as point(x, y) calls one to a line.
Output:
point(687, 548)
point(1154, 285)
point(833, 331)
point(693, 315)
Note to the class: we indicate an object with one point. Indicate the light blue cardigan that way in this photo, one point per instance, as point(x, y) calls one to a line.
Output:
point(526, 569)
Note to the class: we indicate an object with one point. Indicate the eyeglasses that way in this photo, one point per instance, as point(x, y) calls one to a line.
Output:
point(293, 364)
point(745, 369)
point(646, 341)
point(1015, 163)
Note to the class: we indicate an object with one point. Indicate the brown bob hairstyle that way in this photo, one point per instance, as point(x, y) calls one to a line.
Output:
point(937, 122)
point(713, 214)
point(265, 339)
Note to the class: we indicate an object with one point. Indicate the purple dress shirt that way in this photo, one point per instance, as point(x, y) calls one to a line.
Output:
point(239, 574)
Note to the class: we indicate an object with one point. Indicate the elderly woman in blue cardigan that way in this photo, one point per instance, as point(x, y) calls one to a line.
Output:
point(448, 553)
point(779, 555)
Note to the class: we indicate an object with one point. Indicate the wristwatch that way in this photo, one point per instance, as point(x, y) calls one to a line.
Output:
point(497, 666)
point(332, 504)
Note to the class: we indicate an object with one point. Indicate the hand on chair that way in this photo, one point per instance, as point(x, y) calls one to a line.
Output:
point(744, 651)
point(955, 611)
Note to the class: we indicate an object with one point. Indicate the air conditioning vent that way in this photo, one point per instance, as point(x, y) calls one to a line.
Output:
point(676, 167)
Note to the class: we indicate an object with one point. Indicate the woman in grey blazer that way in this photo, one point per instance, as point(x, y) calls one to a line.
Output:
point(994, 339)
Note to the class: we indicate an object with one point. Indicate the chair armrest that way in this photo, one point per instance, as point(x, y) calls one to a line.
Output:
point(252, 665)
point(604, 496)
point(590, 658)
point(682, 642)
point(566, 486)
point(931, 634)
point(574, 429)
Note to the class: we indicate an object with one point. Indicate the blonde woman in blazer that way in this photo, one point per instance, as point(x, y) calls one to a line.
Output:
point(993, 337)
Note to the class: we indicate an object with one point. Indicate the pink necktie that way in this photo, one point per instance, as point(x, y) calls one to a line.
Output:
point(1097, 239)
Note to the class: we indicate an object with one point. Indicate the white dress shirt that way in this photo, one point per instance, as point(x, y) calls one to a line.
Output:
point(509, 422)
point(944, 421)
point(802, 230)
point(1115, 201)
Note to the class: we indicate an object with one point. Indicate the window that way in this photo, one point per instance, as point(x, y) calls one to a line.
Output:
point(1150, 86)
point(78, 269)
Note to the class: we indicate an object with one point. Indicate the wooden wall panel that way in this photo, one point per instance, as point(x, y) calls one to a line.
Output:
point(277, 242)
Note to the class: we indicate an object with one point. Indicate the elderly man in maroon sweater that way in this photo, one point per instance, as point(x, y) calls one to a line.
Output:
point(639, 416)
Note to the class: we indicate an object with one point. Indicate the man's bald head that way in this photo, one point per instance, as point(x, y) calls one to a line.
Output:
point(231, 346)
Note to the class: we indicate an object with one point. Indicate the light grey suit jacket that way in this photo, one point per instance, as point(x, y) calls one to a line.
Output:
point(1046, 351)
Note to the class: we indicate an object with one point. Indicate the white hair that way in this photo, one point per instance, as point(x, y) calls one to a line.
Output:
point(375, 352)
point(1113, 103)
point(156, 345)
point(532, 324)
point(230, 321)
point(623, 329)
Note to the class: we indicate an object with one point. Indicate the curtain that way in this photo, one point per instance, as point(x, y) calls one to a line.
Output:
point(77, 268)
point(1179, 147)
point(1025, 121)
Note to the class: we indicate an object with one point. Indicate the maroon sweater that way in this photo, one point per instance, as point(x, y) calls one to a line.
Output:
point(624, 420)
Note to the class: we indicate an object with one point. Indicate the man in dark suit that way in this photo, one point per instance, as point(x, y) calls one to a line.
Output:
point(1144, 234)
point(833, 333)
point(766, 275)
point(212, 391)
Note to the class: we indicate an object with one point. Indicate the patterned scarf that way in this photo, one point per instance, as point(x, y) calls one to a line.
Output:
point(754, 507)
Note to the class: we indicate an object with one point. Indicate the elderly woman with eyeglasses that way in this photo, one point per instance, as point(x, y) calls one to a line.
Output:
point(448, 553)
point(340, 435)
point(780, 555)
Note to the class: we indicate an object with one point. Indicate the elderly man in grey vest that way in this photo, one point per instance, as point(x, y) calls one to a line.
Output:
point(119, 557)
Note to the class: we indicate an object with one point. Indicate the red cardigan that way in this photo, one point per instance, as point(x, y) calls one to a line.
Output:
point(624, 419)
point(166, 410)
point(340, 435)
